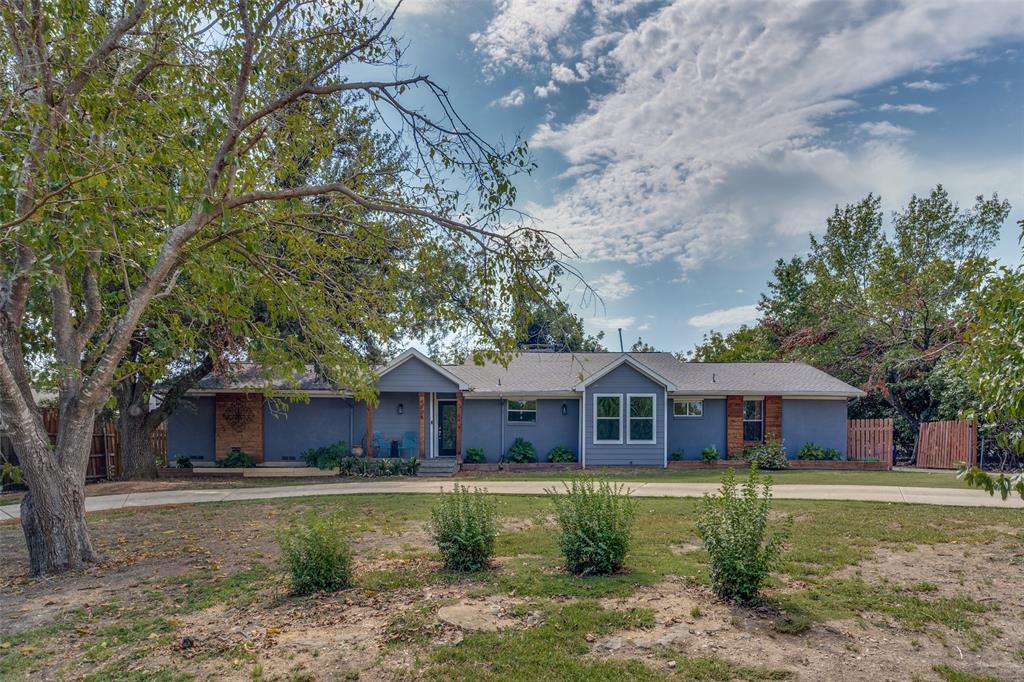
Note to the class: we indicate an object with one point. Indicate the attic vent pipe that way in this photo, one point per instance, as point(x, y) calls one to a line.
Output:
point(712, 377)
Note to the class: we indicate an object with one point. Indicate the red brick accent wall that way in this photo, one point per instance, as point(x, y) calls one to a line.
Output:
point(239, 424)
point(734, 425)
point(773, 417)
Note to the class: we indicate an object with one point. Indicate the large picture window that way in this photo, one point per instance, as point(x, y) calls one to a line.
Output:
point(688, 408)
point(607, 418)
point(520, 411)
point(753, 420)
point(641, 419)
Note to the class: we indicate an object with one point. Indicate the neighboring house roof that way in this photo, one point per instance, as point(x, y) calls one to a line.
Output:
point(560, 372)
point(251, 377)
point(538, 373)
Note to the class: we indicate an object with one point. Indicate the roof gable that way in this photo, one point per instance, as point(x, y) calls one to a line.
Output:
point(631, 362)
point(414, 371)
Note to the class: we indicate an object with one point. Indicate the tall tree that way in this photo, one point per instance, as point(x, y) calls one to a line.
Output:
point(553, 326)
point(95, 230)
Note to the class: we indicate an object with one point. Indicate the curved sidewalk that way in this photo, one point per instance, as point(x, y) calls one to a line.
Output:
point(868, 493)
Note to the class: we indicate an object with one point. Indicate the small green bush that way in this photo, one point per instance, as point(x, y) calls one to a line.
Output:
point(316, 554)
point(734, 527)
point(237, 458)
point(596, 520)
point(709, 454)
point(767, 455)
point(521, 452)
point(326, 457)
point(813, 452)
point(474, 456)
point(677, 455)
point(464, 526)
point(369, 467)
point(183, 462)
point(561, 454)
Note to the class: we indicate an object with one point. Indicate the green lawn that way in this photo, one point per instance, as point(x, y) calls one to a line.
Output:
point(135, 633)
point(919, 479)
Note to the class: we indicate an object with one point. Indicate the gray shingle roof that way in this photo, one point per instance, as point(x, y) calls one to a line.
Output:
point(253, 377)
point(538, 373)
point(544, 372)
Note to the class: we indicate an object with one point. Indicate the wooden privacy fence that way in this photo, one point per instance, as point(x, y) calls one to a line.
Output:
point(104, 455)
point(944, 445)
point(869, 439)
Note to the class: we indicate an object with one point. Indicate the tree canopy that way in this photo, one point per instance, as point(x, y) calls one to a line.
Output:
point(173, 168)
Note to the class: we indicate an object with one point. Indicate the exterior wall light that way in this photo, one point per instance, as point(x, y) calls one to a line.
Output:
point(565, 409)
point(401, 408)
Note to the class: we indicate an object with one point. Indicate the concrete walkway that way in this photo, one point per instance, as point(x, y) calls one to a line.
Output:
point(868, 493)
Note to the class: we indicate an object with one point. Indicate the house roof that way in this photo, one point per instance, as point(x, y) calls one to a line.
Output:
point(560, 372)
point(539, 373)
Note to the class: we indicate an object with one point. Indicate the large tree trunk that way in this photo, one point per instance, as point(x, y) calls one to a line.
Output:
point(53, 510)
point(135, 427)
point(134, 434)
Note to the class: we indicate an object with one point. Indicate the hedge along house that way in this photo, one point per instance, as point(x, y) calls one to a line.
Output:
point(608, 408)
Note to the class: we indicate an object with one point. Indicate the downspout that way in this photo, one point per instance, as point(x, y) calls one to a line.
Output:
point(583, 435)
point(501, 429)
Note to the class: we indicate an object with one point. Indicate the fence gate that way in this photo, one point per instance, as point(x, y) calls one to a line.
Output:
point(869, 439)
point(944, 445)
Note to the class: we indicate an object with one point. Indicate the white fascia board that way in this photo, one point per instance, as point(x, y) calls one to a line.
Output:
point(635, 364)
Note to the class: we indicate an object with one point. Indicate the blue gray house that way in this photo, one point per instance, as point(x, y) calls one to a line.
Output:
point(608, 408)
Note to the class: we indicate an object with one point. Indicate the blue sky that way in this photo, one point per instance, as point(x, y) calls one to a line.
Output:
point(684, 146)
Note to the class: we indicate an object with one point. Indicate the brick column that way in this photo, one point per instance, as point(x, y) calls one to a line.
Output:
point(423, 425)
point(239, 424)
point(772, 417)
point(458, 427)
point(733, 426)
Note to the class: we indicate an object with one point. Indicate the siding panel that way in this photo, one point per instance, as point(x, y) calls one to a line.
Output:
point(415, 375)
point(288, 432)
point(822, 422)
point(623, 380)
point(484, 420)
point(190, 430)
point(693, 434)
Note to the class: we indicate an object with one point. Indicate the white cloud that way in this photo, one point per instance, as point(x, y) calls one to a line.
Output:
point(512, 99)
point(908, 108)
point(520, 32)
point(543, 91)
point(712, 131)
point(930, 86)
point(612, 323)
point(613, 286)
point(725, 318)
point(884, 129)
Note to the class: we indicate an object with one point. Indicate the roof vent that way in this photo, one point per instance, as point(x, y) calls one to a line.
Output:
point(712, 377)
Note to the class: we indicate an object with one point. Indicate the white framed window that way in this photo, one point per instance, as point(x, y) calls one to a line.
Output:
point(688, 408)
point(753, 419)
point(521, 411)
point(642, 409)
point(607, 418)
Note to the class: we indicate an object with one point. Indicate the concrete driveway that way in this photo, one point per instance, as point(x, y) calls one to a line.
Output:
point(867, 493)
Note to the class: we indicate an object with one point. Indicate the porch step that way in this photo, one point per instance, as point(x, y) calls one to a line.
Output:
point(439, 466)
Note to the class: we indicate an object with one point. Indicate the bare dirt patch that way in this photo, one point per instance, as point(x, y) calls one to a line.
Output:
point(691, 620)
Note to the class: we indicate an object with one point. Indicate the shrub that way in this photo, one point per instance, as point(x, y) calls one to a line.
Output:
point(709, 454)
point(326, 457)
point(734, 527)
point(474, 456)
point(183, 462)
point(676, 455)
point(561, 454)
point(368, 467)
point(521, 452)
point(810, 451)
point(596, 520)
point(237, 458)
point(767, 455)
point(316, 554)
point(463, 526)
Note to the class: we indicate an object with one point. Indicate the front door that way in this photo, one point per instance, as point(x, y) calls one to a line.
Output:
point(446, 428)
